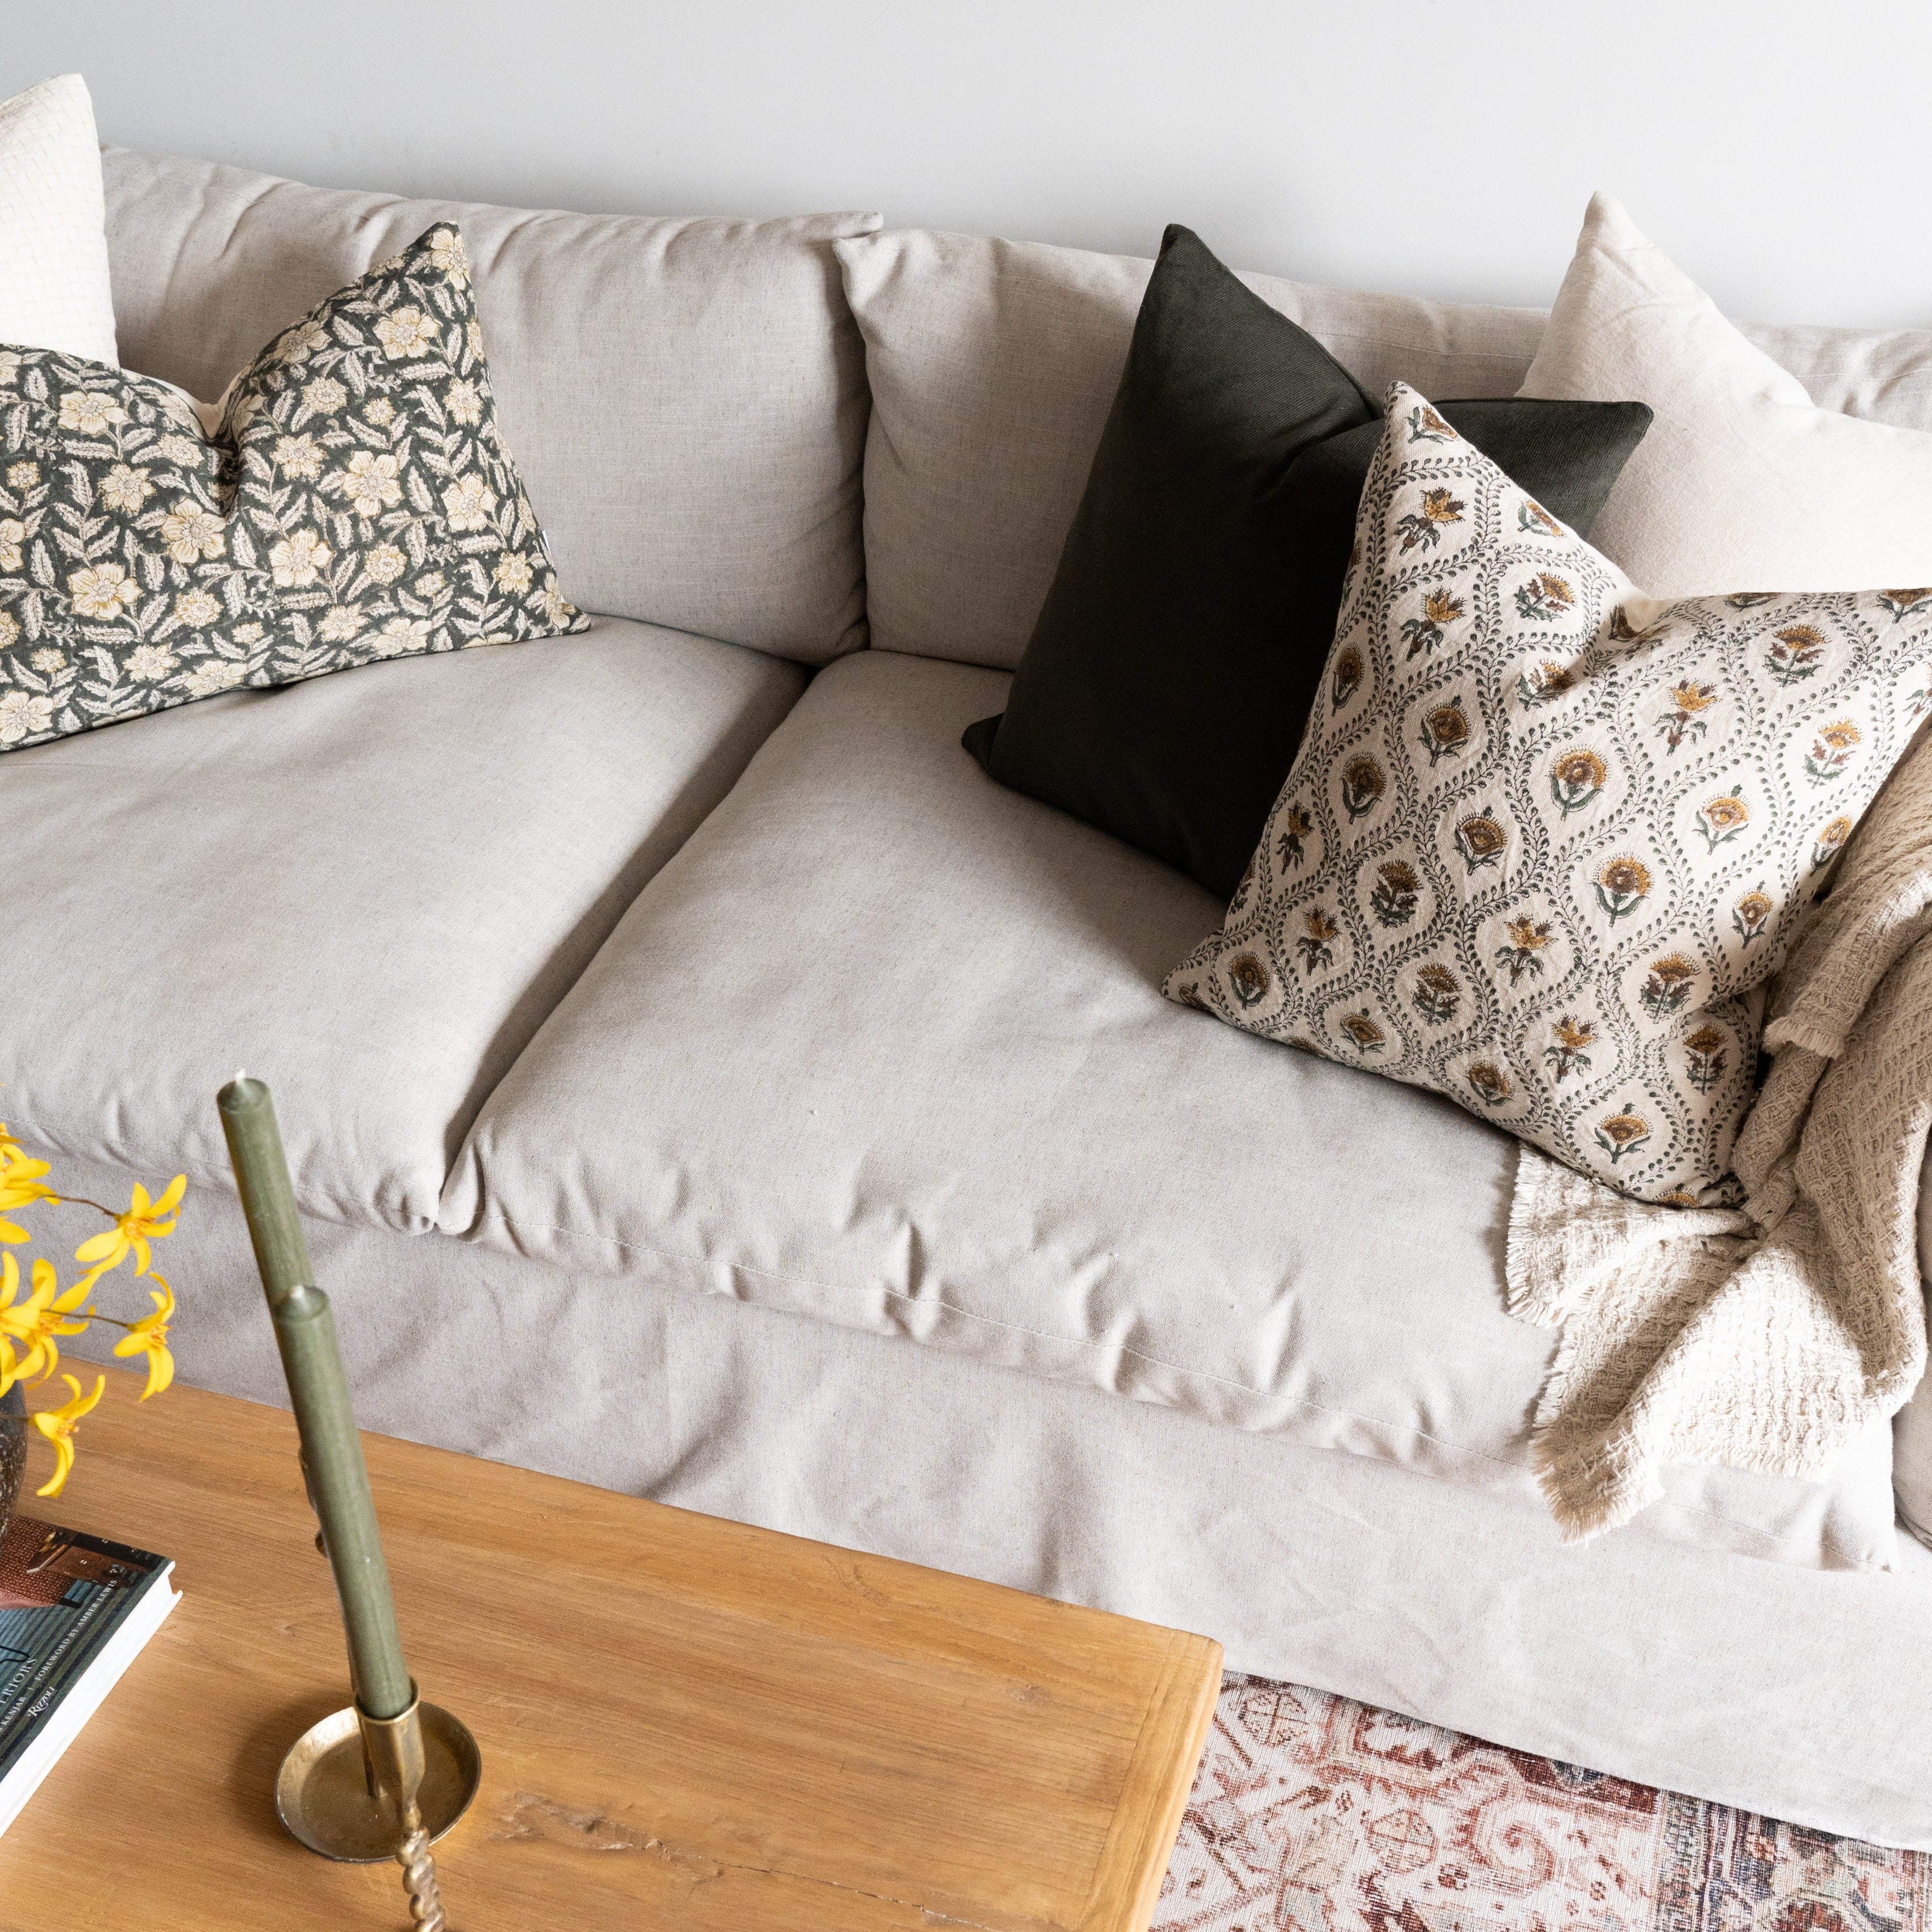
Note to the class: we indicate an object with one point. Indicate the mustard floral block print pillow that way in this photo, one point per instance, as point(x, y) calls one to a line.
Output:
point(356, 503)
point(1546, 839)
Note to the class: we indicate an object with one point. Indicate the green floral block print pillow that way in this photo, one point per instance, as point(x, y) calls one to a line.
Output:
point(1546, 839)
point(356, 503)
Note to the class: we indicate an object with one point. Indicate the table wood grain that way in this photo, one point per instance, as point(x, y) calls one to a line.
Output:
point(684, 1722)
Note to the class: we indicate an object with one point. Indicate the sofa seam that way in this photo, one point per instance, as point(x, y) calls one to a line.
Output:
point(569, 1234)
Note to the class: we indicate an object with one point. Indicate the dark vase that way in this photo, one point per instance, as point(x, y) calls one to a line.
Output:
point(13, 1452)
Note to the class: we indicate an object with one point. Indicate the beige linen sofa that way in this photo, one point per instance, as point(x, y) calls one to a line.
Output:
point(703, 1081)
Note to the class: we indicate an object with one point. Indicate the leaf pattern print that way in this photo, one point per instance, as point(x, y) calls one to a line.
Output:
point(356, 503)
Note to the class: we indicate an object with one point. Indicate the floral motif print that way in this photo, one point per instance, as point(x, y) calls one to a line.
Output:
point(1544, 597)
point(1528, 939)
point(1490, 1084)
point(1622, 1133)
point(1249, 979)
point(1368, 1037)
point(1445, 729)
point(1346, 676)
point(1426, 426)
point(1314, 942)
point(1795, 653)
point(1667, 987)
point(1706, 1059)
point(1296, 825)
point(1683, 715)
point(1543, 681)
point(1752, 914)
point(1423, 527)
point(1397, 893)
point(1577, 778)
point(1604, 834)
point(1481, 840)
point(1622, 885)
point(1829, 843)
point(1439, 609)
point(1568, 1053)
point(1720, 819)
point(1536, 520)
point(1832, 751)
point(1363, 782)
point(356, 503)
point(1438, 993)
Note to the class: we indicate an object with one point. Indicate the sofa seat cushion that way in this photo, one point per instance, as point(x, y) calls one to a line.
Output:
point(368, 890)
point(885, 1043)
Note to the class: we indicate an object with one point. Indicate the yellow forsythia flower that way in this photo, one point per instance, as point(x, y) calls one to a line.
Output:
point(149, 1337)
point(57, 1425)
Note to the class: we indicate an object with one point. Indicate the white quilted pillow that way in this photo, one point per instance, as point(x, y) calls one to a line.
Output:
point(54, 291)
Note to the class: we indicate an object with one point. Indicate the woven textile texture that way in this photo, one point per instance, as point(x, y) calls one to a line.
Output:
point(1766, 1338)
point(1315, 1812)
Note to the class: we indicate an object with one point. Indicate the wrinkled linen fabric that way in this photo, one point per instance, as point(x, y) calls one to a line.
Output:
point(925, 1084)
point(1766, 1337)
point(1799, 1692)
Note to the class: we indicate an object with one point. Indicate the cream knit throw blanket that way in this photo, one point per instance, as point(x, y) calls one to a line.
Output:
point(1767, 1337)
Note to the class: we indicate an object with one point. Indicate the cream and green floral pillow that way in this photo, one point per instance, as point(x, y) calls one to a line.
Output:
point(356, 503)
point(1546, 839)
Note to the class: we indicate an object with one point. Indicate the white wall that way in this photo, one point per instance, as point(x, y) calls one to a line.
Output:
point(1447, 146)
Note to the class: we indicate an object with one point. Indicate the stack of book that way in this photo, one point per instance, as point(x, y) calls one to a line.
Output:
point(74, 1612)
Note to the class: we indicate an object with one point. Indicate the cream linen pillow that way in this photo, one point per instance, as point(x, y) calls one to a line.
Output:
point(1546, 838)
point(54, 291)
point(1742, 479)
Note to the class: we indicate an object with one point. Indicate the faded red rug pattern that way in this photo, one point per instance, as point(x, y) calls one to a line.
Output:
point(1313, 1813)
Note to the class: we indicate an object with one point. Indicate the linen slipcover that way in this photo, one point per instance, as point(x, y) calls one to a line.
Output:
point(686, 399)
point(993, 363)
point(884, 1043)
point(368, 889)
point(1795, 1692)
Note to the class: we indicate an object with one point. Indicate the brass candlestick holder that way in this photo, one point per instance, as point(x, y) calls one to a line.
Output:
point(349, 1784)
point(359, 1787)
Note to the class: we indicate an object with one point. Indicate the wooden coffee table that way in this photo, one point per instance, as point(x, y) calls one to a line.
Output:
point(684, 1723)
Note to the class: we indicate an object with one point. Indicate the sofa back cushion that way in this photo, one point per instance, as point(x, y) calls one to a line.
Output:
point(686, 398)
point(993, 365)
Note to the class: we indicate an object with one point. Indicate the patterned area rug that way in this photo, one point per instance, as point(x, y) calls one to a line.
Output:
point(1315, 1813)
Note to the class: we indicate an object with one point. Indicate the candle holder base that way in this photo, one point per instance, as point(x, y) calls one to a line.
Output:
point(323, 1795)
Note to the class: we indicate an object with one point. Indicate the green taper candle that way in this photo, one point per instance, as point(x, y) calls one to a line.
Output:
point(268, 1198)
point(331, 1450)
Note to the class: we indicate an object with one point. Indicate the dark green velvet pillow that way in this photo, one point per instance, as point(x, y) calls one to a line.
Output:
point(1163, 692)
